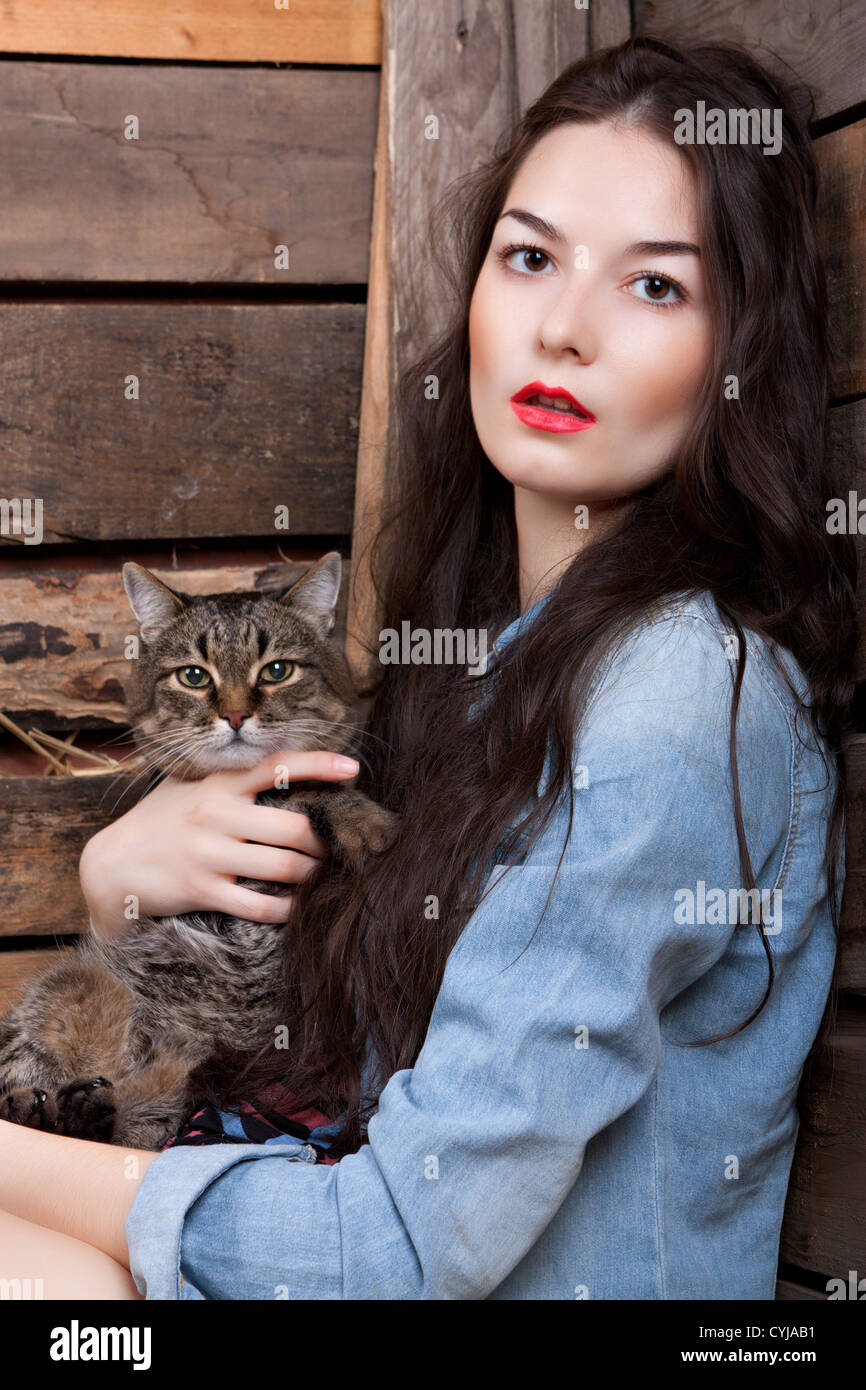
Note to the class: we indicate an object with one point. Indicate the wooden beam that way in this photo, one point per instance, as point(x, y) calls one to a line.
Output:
point(841, 157)
point(229, 164)
point(376, 432)
point(852, 950)
point(235, 31)
point(242, 408)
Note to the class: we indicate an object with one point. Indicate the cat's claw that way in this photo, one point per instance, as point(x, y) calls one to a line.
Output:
point(29, 1106)
point(86, 1109)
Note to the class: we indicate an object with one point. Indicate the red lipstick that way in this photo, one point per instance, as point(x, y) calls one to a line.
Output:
point(548, 416)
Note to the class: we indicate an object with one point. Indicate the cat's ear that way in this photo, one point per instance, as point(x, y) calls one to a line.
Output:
point(315, 593)
point(154, 604)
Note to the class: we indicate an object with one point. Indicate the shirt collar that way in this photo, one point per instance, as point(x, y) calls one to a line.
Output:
point(517, 625)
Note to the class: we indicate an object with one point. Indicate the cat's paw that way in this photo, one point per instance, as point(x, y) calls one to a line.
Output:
point(29, 1106)
point(367, 834)
point(86, 1109)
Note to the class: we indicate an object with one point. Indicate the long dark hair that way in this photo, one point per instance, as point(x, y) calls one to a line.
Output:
point(741, 513)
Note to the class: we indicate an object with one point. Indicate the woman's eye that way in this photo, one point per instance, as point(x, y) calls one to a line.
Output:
point(196, 677)
point(525, 251)
point(276, 671)
point(660, 290)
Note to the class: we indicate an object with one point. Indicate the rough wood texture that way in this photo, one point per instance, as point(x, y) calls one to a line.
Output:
point(824, 44)
point(62, 636)
point(376, 431)
point(609, 23)
point(273, 31)
point(17, 967)
point(852, 965)
point(846, 430)
point(46, 823)
point(825, 1217)
point(789, 1292)
point(841, 159)
point(230, 163)
point(243, 408)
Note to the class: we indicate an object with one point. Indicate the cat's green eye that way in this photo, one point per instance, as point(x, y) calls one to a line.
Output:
point(196, 677)
point(276, 671)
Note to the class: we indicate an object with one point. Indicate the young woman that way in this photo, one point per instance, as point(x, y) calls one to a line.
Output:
point(561, 1024)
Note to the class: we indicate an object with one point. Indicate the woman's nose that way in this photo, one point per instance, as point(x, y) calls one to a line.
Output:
point(570, 323)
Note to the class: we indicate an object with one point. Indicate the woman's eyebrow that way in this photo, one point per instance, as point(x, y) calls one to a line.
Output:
point(637, 248)
point(535, 223)
point(661, 248)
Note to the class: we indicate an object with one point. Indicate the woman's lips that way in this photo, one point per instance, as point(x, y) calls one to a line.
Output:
point(543, 418)
point(548, 417)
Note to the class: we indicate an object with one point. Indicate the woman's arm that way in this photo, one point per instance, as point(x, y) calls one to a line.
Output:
point(74, 1186)
point(534, 1046)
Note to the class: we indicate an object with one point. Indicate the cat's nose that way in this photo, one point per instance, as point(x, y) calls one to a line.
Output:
point(235, 717)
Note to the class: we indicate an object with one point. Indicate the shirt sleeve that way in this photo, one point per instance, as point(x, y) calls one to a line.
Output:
point(538, 1040)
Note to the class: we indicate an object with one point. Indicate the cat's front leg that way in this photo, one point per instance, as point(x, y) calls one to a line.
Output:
point(349, 821)
point(82, 1109)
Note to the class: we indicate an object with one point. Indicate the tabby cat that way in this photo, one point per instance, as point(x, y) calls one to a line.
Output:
point(103, 1046)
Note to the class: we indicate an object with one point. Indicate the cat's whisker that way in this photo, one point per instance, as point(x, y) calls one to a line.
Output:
point(124, 789)
point(149, 770)
point(354, 728)
point(164, 736)
point(169, 737)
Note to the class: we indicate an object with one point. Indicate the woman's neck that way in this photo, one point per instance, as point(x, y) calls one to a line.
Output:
point(550, 532)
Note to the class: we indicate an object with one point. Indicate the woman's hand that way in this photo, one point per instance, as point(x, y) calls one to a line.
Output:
point(185, 843)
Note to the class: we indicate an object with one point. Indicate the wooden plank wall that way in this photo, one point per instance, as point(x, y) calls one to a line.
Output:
point(182, 302)
point(197, 272)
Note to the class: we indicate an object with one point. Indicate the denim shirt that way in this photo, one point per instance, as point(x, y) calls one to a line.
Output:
point(556, 1138)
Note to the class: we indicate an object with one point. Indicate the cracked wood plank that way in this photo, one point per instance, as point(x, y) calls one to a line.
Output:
point(229, 164)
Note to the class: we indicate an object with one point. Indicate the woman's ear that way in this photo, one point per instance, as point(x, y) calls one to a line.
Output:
point(154, 604)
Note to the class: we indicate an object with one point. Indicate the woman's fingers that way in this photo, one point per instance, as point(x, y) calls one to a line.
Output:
point(246, 903)
point(290, 765)
point(269, 825)
point(265, 862)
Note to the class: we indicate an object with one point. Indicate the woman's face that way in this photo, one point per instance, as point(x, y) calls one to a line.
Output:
point(611, 308)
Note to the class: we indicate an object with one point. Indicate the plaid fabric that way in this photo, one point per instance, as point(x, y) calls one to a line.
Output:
point(266, 1120)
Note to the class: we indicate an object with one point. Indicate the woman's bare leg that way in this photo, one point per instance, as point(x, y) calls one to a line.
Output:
point(51, 1265)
